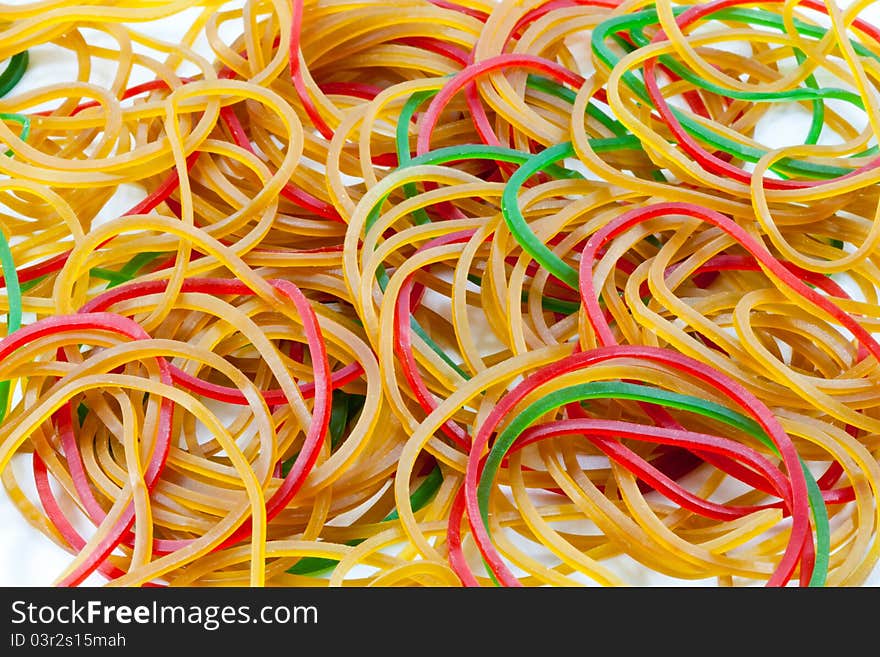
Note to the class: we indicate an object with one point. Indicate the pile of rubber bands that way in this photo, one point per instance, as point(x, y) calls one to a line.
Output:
point(443, 293)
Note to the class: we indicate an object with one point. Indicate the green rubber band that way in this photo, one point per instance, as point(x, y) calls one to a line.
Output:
point(529, 165)
point(792, 95)
point(14, 72)
point(114, 277)
point(420, 216)
point(25, 124)
point(128, 271)
point(818, 116)
point(82, 412)
point(666, 398)
point(423, 494)
point(647, 17)
point(13, 317)
point(27, 286)
point(444, 156)
point(133, 266)
point(517, 224)
point(818, 121)
point(342, 410)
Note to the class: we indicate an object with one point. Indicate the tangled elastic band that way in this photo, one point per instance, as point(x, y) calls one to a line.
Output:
point(541, 293)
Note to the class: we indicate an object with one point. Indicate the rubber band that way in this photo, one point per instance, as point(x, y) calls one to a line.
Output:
point(542, 293)
point(15, 69)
